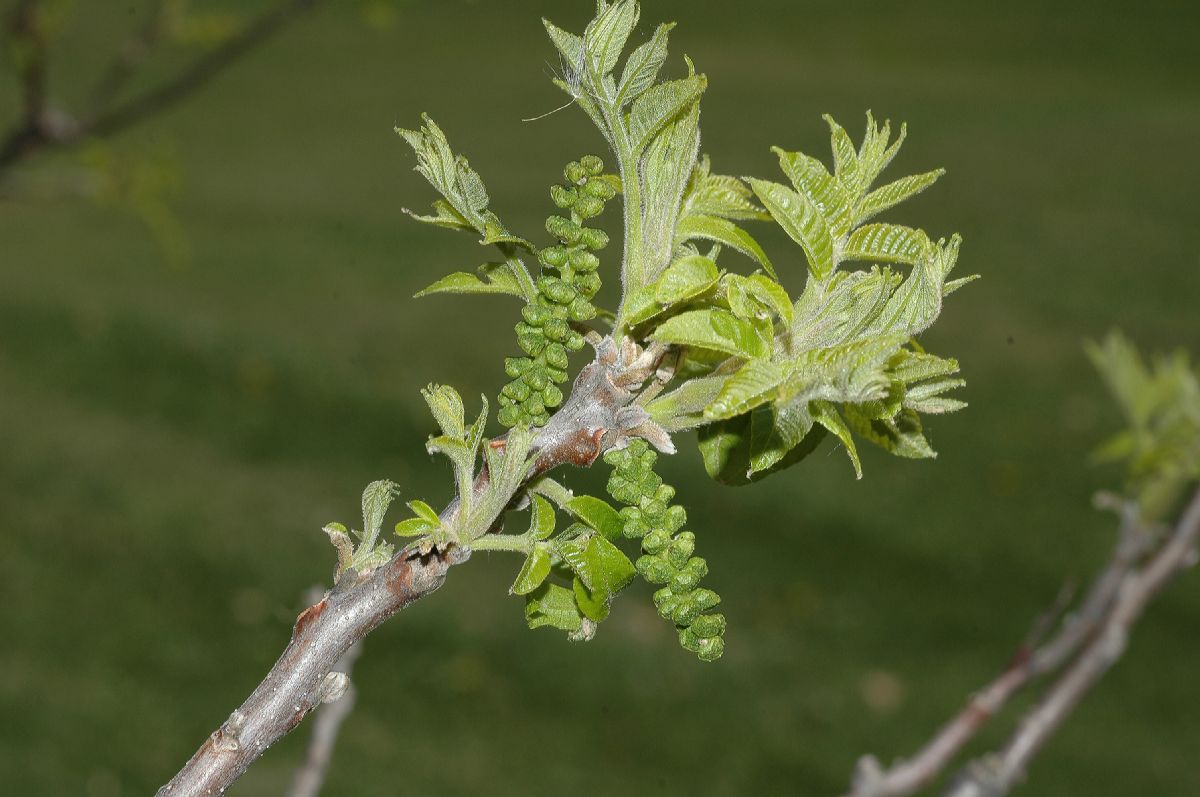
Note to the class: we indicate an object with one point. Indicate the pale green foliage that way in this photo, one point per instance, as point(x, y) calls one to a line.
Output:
point(508, 463)
point(569, 578)
point(652, 128)
point(1161, 404)
point(762, 375)
point(370, 552)
point(842, 358)
point(464, 206)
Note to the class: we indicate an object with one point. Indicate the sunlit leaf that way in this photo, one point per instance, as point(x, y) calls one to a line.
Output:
point(801, 220)
point(715, 329)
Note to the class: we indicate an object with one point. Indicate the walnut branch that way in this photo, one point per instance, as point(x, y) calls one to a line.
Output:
point(996, 775)
point(42, 128)
point(310, 775)
point(1087, 643)
point(598, 415)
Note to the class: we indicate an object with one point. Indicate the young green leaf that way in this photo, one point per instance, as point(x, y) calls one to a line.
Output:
point(641, 69)
point(569, 46)
point(756, 296)
point(725, 450)
point(810, 177)
point(414, 527)
point(685, 279)
point(554, 606)
point(802, 221)
point(776, 432)
point(376, 499)
point(886, 243)
point(462, 282)
point(541, 518)
point(894, 193)
point(715, 329)
point(425, 512)
point(754, 384)
point(533, 572)
point(720, 195)
point(826, 414)
point(901, 435)
point(597, 514)
point(722, 232)
point(605, 36)
point(447, 408)
point(845, 159)
point(592, 605)
point(660, 105)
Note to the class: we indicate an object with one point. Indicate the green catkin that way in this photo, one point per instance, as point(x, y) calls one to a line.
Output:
point(565, 289)
point(667, 559)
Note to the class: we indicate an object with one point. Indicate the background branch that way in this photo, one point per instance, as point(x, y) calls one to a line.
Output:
point(1088, 643)
point(41, 128)
point(310, 775)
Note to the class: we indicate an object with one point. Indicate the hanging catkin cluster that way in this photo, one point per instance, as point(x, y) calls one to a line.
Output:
point(667, 552)
point(564, 292)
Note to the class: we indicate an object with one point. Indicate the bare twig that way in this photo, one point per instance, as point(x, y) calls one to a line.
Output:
point(25, 32)
point(132, 54)
point(996, 775)
point(199, 72)
point(598, 415)
point(1075, 645)
point(310, 775)
point(42, 128)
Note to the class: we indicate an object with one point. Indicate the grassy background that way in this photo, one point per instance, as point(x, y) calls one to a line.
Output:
point(173, 438)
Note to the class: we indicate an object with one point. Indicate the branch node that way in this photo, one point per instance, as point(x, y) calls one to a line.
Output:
point(225, 739)
point(332, 687)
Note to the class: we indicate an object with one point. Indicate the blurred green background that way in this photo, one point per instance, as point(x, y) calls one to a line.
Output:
point(175, 432)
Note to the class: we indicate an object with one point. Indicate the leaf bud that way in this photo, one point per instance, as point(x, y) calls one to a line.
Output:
point(535, 314)
point(592, 238)
point(510, 415)
point(656, 540)
point(655, 569)
point(551, 396)
point(582, 260)
point(675, 518)
point(515, 366)
point(600, 189)
point(515, 390)
point(558, 331)
point(564, 230)
point(587, 284)
point(581, 309)
point(575, 172)
point(688, 577)
point(563, 197)
point(533, 405)
point(556, 290)
point(553, 256)
point(556, 356)
point(588, 207)
point(681, 548)
point(592, 164)
point(708, 625)
point(530, 339)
